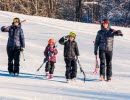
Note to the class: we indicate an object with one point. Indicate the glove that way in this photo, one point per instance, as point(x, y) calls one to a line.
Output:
point(2, 28)
point(77, 57)
point(119, 32)
point(95, 52)
point(66, 38)
point(113, 31)
point(21, 49)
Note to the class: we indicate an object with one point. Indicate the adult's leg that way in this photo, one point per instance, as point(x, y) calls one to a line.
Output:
point(10, 54)
point(16, 60)
point(109, 64)
point(102, 57)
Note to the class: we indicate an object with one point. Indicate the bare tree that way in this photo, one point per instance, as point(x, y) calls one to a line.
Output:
point(117, 11)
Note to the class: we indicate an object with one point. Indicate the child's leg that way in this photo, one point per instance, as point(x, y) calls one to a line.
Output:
point(52, 67)
point(47, 68)
point(68, 68)
point(51, 71)
point(74, 69)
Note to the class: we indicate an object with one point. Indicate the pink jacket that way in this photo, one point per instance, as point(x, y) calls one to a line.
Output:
point(50, 55)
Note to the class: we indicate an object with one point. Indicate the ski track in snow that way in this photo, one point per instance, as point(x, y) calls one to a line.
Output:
point(37, 31)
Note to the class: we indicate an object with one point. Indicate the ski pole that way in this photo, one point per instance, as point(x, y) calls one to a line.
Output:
point(96, 66)
point(23, 56)
point(96, 60)
point(82, 70)
point(40, 67)
point(42, 64)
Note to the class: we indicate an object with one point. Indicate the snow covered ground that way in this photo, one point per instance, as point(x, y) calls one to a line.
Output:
point(37, 31)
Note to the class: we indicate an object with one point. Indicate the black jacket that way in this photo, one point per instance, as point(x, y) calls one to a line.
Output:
point(16, 37)
point(105, 38)
point(70, 48)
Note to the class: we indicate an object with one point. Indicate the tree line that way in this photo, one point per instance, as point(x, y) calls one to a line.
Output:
point(88, 11)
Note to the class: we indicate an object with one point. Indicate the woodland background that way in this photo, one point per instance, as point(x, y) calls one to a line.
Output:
point(88, 11)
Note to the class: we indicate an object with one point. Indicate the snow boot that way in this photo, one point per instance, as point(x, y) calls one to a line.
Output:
point(68, 80)
point(51, 76)
point(11, 73)
point(47, 75)
point(16, 74)
point(108, 78)
point(102, 78)
point(74, 79)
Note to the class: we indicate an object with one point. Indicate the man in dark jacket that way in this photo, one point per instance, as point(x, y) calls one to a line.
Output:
point(15, 44)
point(104, 41)
point(71, 53)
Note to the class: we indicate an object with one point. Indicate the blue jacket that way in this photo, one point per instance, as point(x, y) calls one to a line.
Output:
point(16, 37)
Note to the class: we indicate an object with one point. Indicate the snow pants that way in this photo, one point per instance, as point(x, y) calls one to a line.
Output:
point(71, 68)
point(13, 60)
point(50, 66)
point(105, 63)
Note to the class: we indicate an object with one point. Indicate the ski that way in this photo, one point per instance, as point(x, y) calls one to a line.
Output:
point(82, 70)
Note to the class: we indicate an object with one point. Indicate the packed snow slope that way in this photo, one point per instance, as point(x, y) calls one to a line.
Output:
point(37, 31)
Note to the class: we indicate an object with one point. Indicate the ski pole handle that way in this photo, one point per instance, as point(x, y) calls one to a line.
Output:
point(96, 66)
